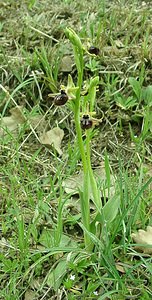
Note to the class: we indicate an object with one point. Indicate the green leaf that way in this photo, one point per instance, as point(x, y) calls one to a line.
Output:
point(147, 95)
point(126, 103)
point(107, 169)
point(110, 209)
point(47, 239)
point(31, 4)
point(92, 286)
point(109, 212)
point(55, 278)
point(107, 294)
point(135, 86)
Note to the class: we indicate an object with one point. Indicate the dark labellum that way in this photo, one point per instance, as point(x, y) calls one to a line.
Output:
point(94, 50)
point(61, 99)
point(86, 122)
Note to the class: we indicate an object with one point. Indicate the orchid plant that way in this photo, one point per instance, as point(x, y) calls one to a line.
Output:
point(83, 109)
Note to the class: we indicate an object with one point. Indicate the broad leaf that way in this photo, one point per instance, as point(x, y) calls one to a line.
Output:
point(53, 137)
point(12, 122)
point(110, 209)
point(55, 278)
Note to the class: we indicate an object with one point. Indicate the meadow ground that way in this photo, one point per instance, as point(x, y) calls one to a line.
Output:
point(43, 253)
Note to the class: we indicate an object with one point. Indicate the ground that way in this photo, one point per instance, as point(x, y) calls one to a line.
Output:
point(43, 254)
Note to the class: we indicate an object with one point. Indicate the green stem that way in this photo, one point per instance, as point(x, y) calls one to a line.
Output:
point(84, 199)
point(59, 228)
point(79, 131)
point(85, 211)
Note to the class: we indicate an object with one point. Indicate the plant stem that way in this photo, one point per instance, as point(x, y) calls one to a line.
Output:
point(79, 131)
point(85, 197)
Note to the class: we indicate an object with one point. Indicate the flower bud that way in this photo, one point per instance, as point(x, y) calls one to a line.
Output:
point(74, 38)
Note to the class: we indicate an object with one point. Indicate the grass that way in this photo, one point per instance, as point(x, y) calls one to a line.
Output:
point(43, 255)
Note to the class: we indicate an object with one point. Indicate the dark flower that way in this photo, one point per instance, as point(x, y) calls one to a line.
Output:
point(86, 122)
point(61, 99)
point(94, 50)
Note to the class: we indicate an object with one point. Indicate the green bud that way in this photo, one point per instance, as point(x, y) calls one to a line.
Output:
point(74, 39)
point(92, 91)
point(94, 82)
